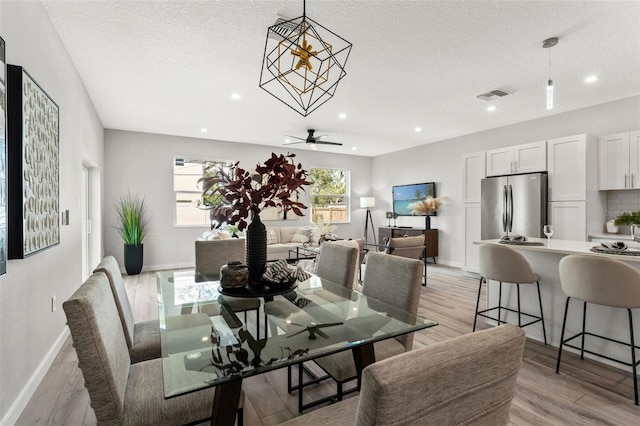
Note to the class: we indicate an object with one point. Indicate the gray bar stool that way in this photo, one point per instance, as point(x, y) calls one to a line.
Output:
point(504, 264)
point(603, 281)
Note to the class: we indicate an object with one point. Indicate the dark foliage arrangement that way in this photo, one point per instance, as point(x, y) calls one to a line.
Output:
point(273, 184)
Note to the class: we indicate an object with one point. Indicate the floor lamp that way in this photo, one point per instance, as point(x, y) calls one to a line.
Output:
point(367, 203)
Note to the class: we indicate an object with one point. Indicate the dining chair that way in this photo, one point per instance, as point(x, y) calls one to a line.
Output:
point(123, 393)
point(390, 279)
point(470, 379)
point(605, 282)
point(338, 262)
point(506, 265)
point(411, 247)
point(142, 338)
point(211, 255)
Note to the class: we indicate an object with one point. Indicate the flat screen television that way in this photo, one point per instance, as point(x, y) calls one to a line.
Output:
point(405, 195)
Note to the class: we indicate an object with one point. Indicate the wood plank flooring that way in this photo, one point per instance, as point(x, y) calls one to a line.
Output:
point(585, 393)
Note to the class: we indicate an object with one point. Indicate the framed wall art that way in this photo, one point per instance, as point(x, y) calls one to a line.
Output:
point(33, 166)
point(3, 161)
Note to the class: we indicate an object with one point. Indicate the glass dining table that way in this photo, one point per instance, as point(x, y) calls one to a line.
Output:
point(303, 320)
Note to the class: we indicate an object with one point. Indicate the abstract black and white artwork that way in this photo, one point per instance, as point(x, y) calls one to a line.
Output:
point(33, 166)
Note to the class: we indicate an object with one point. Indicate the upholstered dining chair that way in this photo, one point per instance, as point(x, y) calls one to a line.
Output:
point(211, 255)
point(411, 247)
point(142, 338)
point(391, 279)
point(123, 393)
point(467, 380)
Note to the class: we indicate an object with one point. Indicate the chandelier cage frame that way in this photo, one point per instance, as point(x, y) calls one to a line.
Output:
point(302, 69)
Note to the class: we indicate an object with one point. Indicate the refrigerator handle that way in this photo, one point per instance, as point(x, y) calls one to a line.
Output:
point(504, 208)
point(510, 208)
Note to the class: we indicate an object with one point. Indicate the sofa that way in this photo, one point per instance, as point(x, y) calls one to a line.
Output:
point(280, 239)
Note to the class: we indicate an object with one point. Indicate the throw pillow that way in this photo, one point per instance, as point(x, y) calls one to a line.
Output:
point(301, 236)
point(224, 235)
point(272, 238)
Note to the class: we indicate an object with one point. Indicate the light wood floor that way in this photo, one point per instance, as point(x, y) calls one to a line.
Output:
point(585, 393)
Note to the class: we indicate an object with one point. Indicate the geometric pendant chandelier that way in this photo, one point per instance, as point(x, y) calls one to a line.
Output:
point(303, 63)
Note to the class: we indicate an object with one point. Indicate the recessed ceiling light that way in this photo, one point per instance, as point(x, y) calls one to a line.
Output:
point(591, 79)
point(203, 130)
point(491, 108)
point(354, 148)
point(418, 129)
point(287, 140)
point(235, 96)
point(342, 116)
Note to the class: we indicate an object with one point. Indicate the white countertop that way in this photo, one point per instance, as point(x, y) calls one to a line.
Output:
point(616, 237)
point(564, 247)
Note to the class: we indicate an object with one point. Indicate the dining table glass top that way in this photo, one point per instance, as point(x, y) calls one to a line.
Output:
point(315, 318)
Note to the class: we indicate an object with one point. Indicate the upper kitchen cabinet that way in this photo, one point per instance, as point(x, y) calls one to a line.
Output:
point(619, 161)
point(473, 172)
point(567, 161)
point(527, 158)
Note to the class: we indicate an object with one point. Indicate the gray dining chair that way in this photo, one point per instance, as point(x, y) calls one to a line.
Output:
point(606, 282)
point(211, 255)
point(142, 338)
point(411, 247)
point(393, 280)
point(123, 393)
point(468, 380)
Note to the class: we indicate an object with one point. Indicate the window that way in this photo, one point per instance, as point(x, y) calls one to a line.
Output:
point(188, 194)
point(330, 194)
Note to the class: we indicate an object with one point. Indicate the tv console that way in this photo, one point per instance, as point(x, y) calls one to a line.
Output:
point(430, 236)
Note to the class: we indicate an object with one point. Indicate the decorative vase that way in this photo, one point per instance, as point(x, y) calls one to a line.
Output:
point(256, 250)
point(427, 222)
point(634, 233)
point(133, 257)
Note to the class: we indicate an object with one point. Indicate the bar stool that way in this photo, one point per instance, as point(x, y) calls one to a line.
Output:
point(504, 264)
point(602, 281)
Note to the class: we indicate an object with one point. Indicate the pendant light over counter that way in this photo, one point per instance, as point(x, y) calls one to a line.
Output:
point(548, 44)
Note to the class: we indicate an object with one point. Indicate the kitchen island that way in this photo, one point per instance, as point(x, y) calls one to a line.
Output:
point(544, 260)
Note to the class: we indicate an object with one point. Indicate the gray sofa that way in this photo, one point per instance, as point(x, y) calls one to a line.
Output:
point(288, 238)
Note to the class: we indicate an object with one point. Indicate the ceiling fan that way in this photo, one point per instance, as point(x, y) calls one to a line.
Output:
point(312, 139)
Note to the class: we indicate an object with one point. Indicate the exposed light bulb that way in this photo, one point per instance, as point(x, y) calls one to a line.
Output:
point(491, 108)
point(550, 95)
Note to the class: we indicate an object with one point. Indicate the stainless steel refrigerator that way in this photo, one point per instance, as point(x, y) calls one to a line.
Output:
point(514, 205)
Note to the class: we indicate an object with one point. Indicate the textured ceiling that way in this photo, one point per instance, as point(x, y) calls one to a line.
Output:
point(170, 67)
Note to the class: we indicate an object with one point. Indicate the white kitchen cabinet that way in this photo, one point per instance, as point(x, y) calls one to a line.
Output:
point(569, 220)
point(619, 161)
point(567, 162)
point(472, 226)
point(526, 158)
point(473, 172)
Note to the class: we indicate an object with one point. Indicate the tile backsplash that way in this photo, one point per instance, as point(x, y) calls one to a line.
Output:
point(622, 201)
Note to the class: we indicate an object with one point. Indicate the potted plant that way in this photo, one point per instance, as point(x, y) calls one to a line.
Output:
point(632, 219)
point(245, 193)
point(132, 226)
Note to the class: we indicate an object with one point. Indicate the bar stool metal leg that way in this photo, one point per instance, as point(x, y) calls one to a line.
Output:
point(475, 318)
point(564, 323)
point(519, 316)
point(634, 365)
point(584, 322)
point(499, 303)
point(544, 332)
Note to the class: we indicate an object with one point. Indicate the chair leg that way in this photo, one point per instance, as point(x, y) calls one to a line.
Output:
point(544, 332)
point(300, 389)
point(475, 318)
point(499, 303)
point(584, 322)
point(240, 417)
point(339, 388)
point(564, 323)
point(289, 384)
point(519, 316)
point(633, 358)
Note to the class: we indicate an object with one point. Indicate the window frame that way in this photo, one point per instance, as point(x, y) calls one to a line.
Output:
point(191, 159)
point(346, 195)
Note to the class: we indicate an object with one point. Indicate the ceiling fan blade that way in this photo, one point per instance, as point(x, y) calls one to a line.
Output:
point(329, 324)
point(293, 143)
point(295, 137)
point(328, 143)
point(321, 333)
point(296, 333)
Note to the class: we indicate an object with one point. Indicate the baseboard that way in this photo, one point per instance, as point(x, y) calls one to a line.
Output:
point(14, 412)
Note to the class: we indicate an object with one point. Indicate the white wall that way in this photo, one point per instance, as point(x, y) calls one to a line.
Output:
point(442, 162)
point(143, 164)
point(29, 332)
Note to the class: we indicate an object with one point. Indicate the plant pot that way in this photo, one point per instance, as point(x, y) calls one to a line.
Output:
point(133, 257)
point(256, 250)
